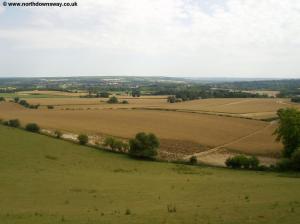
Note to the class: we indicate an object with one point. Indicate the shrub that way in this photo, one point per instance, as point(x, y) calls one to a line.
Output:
point(143, 146)
point(32, 127)
point(115, 144)
point(24, 103)
point(241, 161)
point(124, 102)
point(296, 160)
point(2, 98)
point(104, 94)
point(50, 107)
point(253, 162)
point(57, 134)
point(113, 100)
point(284, 164)
point(193, 160)
point(83, 139)
point(171, 99)
point(14, 123)
point(16, 99)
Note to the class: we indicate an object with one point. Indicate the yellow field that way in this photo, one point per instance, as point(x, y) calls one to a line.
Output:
point(252, 108)
point(178, 130)
point(51, 93)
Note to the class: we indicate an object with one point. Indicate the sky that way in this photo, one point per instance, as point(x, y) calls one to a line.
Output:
point(188, 38)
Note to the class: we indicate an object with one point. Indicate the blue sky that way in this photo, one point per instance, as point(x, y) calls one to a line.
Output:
point(238, 38)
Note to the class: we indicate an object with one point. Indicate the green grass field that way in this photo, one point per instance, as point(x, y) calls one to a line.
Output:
point(44, 180)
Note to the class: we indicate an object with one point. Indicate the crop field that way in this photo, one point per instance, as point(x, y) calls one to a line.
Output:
point(188, 130)
point(258, 108)
point(45, 180)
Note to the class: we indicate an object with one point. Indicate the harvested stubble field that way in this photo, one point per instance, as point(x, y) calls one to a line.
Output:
point(179, 131)
point(262, 108)
point(45, 180)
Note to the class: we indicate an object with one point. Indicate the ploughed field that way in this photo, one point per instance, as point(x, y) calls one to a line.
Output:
point(46, 180)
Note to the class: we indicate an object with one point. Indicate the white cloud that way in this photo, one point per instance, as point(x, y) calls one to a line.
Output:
point(252, 33)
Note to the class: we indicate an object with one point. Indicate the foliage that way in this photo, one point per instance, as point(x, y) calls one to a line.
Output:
point(2, 98)
point(83, 139)
point(24, 103)
point(50, 107)
point(57, 134)
point(16, 99)
point(288, 130)
point(143, 145)
point(284, 164)
point(295, 99)
point(113, 100)
point(115, 144)
point(14, 123)
point(103, 94)
point(32, 127)
point(241, 161)
point(136, 93)
point(296, 160)
point(124, 102)
point(171, 99)
point(193, 160)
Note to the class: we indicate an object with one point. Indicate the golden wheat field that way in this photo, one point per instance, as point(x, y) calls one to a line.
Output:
point(178, 130)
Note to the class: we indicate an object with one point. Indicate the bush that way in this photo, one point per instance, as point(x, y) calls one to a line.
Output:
point(16, 99)
point(2, 98)
point(57, 134)
point(253, 162)
point(193, 160)
point(241, 161)
point(115, 144)
point(14, 123)
point(32, 127)
point(171, 99)
point(296, 160)
point(83, 139)
point(24, 103)
point(143, 146)
point(113, 100)
point(124, 102)
point(284, 164)
point(104, 94)
point(50, 107)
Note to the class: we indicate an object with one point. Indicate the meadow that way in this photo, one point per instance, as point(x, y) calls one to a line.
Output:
point(46, 180)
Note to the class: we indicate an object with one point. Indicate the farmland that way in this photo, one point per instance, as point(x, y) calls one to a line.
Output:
point(220, 127)
point(44, 180)
point(183, 128)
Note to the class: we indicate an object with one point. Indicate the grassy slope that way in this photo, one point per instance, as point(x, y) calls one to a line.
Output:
point(43, 180)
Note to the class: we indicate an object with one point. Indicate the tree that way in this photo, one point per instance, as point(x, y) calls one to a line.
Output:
point(288, 130)
point(193, 160)
point(32, 127)
point(136, 93)
point(104, 94)
point(14, 123)
point(16, 99)
point(83, 139)
point(113, 100)
point(171, 99)
point(296, 160)
point(143, 146)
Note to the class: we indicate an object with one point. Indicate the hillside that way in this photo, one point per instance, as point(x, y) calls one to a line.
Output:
point(44, 180)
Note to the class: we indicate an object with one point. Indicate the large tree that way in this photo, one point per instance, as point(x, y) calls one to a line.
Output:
point(288, 131)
